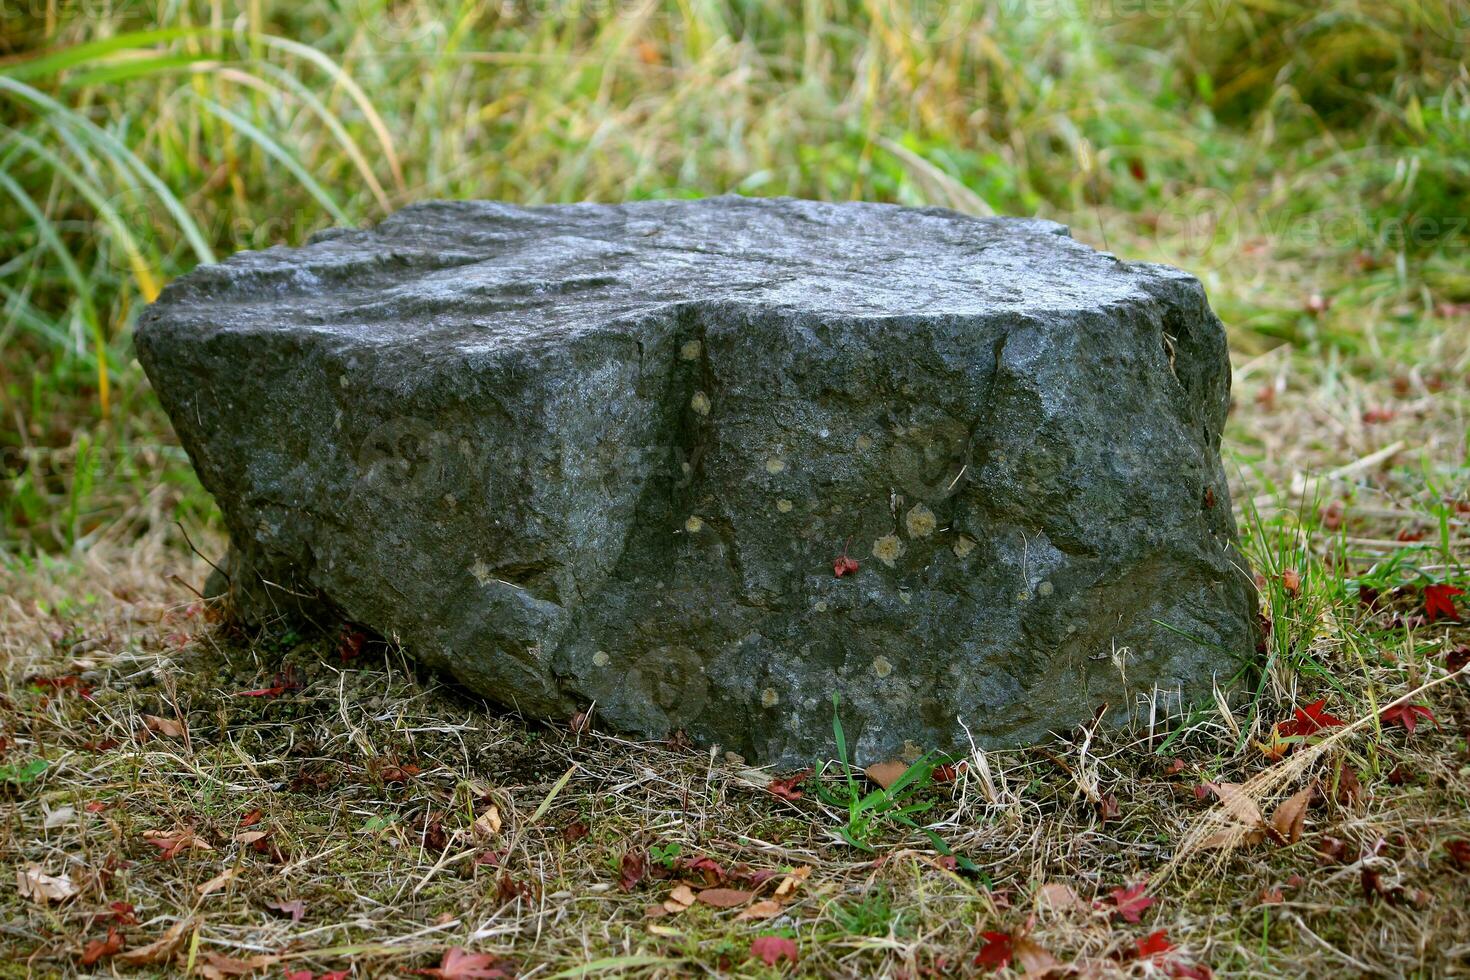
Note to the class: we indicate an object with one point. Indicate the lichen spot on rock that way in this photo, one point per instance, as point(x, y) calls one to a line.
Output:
point(784, 505)
point(481, 572)
point(882, 666)
point(700, 403)
point(342, 380)
point(601, 659)
point(963, 546)
point(694, 524)
point(864, 441)
point(820, 605)
point(1045, 589)
point(691, 350)
point(769, 698)
point(775, 464)
point(920, 521)
point(888, 549)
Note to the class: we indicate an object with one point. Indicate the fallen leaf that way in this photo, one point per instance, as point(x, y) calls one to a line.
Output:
point(165, 726)
point(1407, 716)
point(885, 774)
point(1060, 898)
point(1439, 601)
point(682, 895)
point(787, 788)
point(217, 965)
point(172, 843)
point(122, 913)
point(765, 909)
point(251, 836)
point(1034, 960)
point(488, 823)
point(724, 898)
point(99, 948)
point(773, 949)
point(217, 882)
point(1349, 788)
point(1309, 720)
point(631, 870)
point(294, 908)
point(574, 831)
point(1107, 808)
point(786, 890)
point(158, 951)
point(41, 888)
point(1291, 581)
point(1287, 821)
point(1130, 901)
point(1271, 896)
point(1154, 944)
point(1459, 851)
point(461, 964)
point(997, 952)
point(1237, 803)
point(282, 683)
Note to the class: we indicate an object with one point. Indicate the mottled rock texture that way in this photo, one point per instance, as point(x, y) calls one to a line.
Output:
point(610, 453)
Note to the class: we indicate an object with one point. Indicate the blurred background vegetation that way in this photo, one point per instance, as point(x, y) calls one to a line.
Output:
point(1309, 161)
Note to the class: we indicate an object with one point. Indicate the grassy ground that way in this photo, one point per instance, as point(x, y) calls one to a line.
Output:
point(1311, 164)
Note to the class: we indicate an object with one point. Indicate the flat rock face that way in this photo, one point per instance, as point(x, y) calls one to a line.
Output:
point(609, 454)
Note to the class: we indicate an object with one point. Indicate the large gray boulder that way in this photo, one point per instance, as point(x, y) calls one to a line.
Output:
point(610, 454)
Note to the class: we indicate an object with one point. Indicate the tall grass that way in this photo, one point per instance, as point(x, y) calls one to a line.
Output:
point(138, 139)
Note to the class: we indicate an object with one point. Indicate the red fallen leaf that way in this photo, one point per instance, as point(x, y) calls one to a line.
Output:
point(1154, 944)
point(1369, 597)
point(1332, 850)
point(1407, 716)
point(1377, 415)
point(294, 909)
point(490, 859)
point(1271, 896)
point(395, 772)
point(508, 889)
point(574, 831)
point(1291, 581)
point(122, 912)
point(706, 867)
point(461, 964)
point(1456, 659)
point(771, 950)
point(1349, 787)
point(1135, 168)
point(1131, 902)
point(997, 952)
point(787, 788)
point(631, 870)
point(251, 819)
point(283, 682)
point(949, 773)
point(1309, 720)
point(1410, 534)
point(100, 744)
point(96, 806)
point(1459, 851)
point(1189, 971)
point(1439, 600)
point(351, 644)
point(1175, 767)
point(98, 948)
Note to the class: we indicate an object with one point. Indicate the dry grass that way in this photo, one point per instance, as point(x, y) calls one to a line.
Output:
point(392, 870)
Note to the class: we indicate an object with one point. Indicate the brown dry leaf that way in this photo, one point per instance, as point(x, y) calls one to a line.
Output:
point(1237, 803)
point(724, 898)
point(217, 882)
point(41, 888)
point(682, 895)
point(885, 774)
point(1060, 898)
point(251, 836)
point(1287, 821)
point(165, 726)
point(787, 889)
point(1034, 960)
point(656, 911)
point(766, 909)
point(488, 823)
point(217, 966)
point(160, 950)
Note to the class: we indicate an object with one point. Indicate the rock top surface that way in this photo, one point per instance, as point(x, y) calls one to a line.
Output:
point(609, 454)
